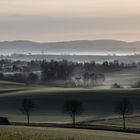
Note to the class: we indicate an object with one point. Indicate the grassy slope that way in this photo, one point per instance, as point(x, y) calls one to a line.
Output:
point(8, 87)
point(20, 133)
point(94, 100)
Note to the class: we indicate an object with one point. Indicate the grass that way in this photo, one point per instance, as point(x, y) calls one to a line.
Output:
point(131, 122)
point(37, 133)
point(10, 87)
point(23, 133)
point(104, 99)
point(7, 87)
point(97, 104)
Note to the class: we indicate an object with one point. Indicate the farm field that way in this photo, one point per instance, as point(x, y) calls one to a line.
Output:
point(97, 103)
point(37, 133)
point(6, 87)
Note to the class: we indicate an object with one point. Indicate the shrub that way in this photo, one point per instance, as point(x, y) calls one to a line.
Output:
point(115, 85)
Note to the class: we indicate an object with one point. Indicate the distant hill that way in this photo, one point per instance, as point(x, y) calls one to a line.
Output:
point(73, 47)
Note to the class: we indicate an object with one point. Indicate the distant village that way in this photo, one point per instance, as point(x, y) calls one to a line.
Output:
point(60, 73)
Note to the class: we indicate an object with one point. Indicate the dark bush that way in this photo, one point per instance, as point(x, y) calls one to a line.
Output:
point(115, 85)
point(4, 121)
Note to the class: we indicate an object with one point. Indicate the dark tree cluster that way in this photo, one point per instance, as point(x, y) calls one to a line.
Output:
point(19, 66)
point(63, 70)
point(85, 74)
point(90, 72)
point(93, 79)
point(57, 70)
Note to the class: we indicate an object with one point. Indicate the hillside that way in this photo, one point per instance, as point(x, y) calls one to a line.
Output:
point(73, 47)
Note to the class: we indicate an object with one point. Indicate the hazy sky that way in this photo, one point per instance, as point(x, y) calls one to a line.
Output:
point(56, 20)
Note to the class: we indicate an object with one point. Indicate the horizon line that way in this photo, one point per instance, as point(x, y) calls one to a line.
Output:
point(60, 41)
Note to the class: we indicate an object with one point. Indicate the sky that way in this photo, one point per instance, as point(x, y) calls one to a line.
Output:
point(60, 20)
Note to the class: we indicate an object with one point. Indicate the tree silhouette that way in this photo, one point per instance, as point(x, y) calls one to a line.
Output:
point(27, 108)
point(32, 78)
point(124, 108)
point(73, 108)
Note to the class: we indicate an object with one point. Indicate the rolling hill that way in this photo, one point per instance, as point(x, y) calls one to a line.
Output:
point(70, 47)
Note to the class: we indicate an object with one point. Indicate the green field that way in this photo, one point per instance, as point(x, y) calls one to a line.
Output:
point(98, 104)
point(8, 87)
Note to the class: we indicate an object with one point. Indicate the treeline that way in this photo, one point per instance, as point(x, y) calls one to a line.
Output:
point(57, 70)
point(63, 70)
point(37, 65)
point(79, 74)
point(88, 73)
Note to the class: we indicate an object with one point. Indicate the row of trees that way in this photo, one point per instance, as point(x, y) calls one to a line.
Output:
point(55, 70)
point(63, 70)
point(71, 107)
point(75, 107)
point(37, 63)
point(66, 66)
point(62, 73)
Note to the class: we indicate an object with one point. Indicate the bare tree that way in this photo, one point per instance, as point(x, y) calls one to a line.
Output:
point(73, 108)
point(124, 108)
point(27, 108)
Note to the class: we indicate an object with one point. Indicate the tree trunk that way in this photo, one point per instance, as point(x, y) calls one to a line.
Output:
point(28, 119)
point(73, 118)
point(124, 122)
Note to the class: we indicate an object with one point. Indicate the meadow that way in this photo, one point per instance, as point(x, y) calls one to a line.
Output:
point(98, 110)
point(37, 133)
point(98, 104)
